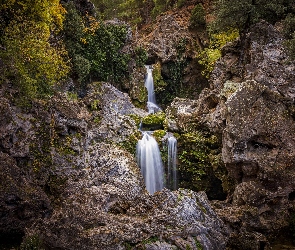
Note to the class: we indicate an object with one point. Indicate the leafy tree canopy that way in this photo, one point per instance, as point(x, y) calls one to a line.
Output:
point(31, 61)
point(241, 14)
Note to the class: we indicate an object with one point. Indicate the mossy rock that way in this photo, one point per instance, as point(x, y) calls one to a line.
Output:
point(153, 121)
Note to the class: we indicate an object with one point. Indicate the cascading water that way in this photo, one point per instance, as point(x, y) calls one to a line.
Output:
point(172, 162)
point(149, 84)
point(150, 162)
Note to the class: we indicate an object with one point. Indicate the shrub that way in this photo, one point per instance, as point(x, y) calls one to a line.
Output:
point(31, 62)
point(197, 18)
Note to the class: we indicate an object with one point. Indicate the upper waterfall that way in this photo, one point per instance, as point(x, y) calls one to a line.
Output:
point(149, 84)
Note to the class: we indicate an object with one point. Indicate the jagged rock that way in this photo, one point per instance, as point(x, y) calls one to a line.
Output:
point(171, 45)
point(107, 217)
point(21, 201)
point(251, 103)
point(68, 183)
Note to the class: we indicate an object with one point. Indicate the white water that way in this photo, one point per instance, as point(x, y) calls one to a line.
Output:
point(172, 162)
point(149, 84)
point(150, 162)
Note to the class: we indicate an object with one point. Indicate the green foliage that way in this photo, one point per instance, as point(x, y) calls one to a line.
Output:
point(150, 240)
point(195, 156)
point(95, 48)
point(159, 134)
point(153, 121)
point(71, 96)
point(167, 89)
point(141, 56)
point(197, 18)
point(32, 243)
point(289, 33)
point(103, 50)
point(136, 118)
point(31, 63)
point(81, 67)
point(95, 105)
point(131, 142)
point(128, 10)
point(181, 3)
point(198, 244)
point(212, 53)
point(160, 6)
point(241, 14)
point(289, 26)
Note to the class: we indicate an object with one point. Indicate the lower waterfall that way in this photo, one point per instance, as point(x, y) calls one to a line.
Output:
point(172, 163)
point(150, 163)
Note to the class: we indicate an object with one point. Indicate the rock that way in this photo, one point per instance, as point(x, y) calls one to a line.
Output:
point(250, 104)
point(183, 218)
point(68, 181)
point(21, 201)
point(258, 139)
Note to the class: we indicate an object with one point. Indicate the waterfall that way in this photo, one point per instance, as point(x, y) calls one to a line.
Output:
point(149, 84)
point(172, 162)
point(150, 162)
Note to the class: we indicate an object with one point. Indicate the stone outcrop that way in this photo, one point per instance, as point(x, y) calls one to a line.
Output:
point(69, 182)
point(251, 105)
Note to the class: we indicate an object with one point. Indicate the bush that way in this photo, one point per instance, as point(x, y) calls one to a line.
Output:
point(32, 64)
point(141, 56)
point(241, 14)
point(81, 67)
point(197, 18)
point(95, 48)
point(210, 55)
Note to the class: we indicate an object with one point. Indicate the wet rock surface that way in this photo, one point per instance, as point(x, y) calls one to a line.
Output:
point(68, 182)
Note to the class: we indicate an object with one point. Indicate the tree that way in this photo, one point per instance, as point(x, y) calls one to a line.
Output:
point(241, 14)
point(31, 62)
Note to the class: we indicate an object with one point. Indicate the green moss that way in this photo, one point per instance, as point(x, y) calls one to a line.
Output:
point(188, 247)
point(159, 83)
point(95, 105)
point(131, 142)
point(159, 134)
point(153, 121)
point(198, 244)
point(150, 240)
point(197, 153)
point(135, 118)
point(97, 119)
point(141, 56)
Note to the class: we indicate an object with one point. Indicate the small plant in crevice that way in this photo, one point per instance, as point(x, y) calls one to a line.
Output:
point(33, 242)
point(130, 143)
point(209, 55)
point(141, 56)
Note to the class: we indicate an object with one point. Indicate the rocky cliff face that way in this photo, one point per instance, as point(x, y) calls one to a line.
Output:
point(69, 182)
point(172, 47)
point(250, 104)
